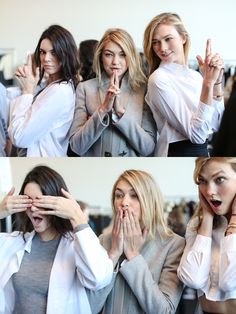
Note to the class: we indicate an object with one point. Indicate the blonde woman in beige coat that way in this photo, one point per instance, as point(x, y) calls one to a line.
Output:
point(111, 117)
point(144, 251)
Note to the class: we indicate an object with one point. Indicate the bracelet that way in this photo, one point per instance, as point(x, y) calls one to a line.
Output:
point(231, 225)
point(218, 97)
point(228, 233)
point(218, 83)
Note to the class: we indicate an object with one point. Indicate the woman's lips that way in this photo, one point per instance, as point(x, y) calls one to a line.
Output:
point(216, 203)
point(37, 220)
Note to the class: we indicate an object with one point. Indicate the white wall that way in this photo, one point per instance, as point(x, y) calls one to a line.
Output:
point(91, 179)
point(22, 22)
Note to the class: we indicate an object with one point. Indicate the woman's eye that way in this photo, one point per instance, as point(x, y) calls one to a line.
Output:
point(220, 180)
point(118, 195)
point(155, 43)
point(108, 55)
point(201, 181)
point(134, 195)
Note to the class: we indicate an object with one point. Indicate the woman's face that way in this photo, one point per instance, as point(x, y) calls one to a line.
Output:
point(49, 60)
point(126, 198)
point(114, 60)
point(168, 44)
point(217, 183)
point(41, 224)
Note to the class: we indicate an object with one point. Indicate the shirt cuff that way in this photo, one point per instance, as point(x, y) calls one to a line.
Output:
point(80, 227)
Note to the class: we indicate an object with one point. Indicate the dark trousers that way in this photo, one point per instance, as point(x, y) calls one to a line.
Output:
point(187, 149)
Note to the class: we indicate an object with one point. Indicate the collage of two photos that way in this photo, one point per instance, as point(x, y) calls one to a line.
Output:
point(152, 228)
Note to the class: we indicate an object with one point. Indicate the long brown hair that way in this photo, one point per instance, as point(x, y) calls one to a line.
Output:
point(50, 183)
point(65, 50)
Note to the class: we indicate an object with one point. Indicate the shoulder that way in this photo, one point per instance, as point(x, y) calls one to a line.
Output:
point(176, 241)
point(88, 83)
point(61, 88)
point(8, 239)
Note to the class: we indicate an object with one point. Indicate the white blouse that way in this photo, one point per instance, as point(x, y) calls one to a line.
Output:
point(42, 125)
point(174, 97)
point(209, 263)
point(80, 262)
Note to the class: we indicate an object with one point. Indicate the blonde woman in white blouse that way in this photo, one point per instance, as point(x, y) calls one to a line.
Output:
point(209, 260)
point(186, 105)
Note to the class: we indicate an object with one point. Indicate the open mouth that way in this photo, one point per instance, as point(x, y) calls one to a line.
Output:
point(37, 220)
point(216, 203)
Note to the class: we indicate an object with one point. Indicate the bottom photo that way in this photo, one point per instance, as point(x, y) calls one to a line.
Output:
point(118, 235)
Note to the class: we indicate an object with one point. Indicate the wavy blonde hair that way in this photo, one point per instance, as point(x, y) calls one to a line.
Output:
point(124, 40)
point(150, 199)
point(200, 162)
point(168, 19)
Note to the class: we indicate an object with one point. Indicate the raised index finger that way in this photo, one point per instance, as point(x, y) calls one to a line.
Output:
point(208, 47)
point(116, 81)
point(29, 60)
point(112, 78)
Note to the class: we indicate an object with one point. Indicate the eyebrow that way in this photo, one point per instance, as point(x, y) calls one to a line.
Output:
point(108, 50)
point(162, 37)
point(214, 175)
point(41, 49)
point(120, 190)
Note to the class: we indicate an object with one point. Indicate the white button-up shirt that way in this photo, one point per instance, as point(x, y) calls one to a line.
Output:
point(80, 262)
point(42, 126)
point(174, 97)
point(209, 263)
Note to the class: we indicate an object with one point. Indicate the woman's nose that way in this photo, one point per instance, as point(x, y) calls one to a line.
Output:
point(47, 56)
point(163, 46)
point(34, 208)
point(211, 190)
point(115, 59)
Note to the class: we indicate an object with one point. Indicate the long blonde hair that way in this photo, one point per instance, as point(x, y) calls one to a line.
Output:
point(150, 198)
point(168, 19)
point(200, 162)
point(120, 37)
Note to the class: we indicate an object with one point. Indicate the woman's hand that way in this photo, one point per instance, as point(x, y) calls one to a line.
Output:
point(26, 77)
point(117, 245)
point(134, 236)
point(212, 66)
point(207, 219)
point(63, 207)
point(118, 107)
point(111, 94)
point(14, 204)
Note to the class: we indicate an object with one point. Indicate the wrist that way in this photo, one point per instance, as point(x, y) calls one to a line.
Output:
point(131, 255)
point(77, 221)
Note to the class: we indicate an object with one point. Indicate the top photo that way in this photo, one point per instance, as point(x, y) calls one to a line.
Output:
point(89, 79)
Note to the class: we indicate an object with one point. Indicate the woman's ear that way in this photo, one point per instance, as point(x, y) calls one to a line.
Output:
point(184, 39)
